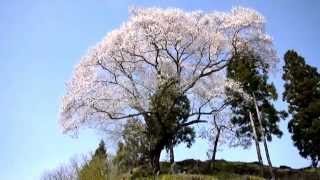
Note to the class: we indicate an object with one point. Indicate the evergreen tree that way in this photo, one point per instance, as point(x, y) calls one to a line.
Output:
point(256, 117)
point(101, 151)
point(170, 110)
point(97, 167)
point(302, 92)
point(251, 73)
point(133, 148)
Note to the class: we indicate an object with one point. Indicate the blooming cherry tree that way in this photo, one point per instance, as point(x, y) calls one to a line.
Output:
point(117, 77)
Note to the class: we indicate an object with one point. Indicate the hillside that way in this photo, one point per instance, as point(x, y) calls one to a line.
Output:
point(198, 170)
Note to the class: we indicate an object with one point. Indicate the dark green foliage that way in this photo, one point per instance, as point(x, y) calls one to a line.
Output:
point(169, 108)
point(101, 151)
point(97, 167)
point(142, 142)
point(302, 92)
point(250, 71)
point(184, 135)
point(133, 149)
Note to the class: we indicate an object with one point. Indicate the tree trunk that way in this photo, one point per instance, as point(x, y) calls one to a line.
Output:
point(171, 153)
point(155, 160)
point(263, 138)
point(215, 147)
point(268, 158)
point(173, 165)
point(314, 163)
point(256, 143)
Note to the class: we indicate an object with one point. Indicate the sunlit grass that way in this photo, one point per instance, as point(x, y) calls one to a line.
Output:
point(219, 176)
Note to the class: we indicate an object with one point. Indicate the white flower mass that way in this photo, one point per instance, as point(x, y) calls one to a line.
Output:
point(117, 77)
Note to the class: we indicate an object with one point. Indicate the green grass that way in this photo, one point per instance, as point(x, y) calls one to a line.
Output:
point(312, 170)
point(207, 177)
point(200, 170)
point(219, 176)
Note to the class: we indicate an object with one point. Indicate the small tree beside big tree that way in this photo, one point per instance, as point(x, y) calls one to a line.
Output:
point(255, 115)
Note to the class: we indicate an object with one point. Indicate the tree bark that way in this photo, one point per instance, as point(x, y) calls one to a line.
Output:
point(256, 143)
point(215, 147)
point(314, 163)
point(171, 153)
point(263, 138)
point(268, 158)
point(155, 157)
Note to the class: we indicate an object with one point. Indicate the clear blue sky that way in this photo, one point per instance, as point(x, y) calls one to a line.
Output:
point(41, 41)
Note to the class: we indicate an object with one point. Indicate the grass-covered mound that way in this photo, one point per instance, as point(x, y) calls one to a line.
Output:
point(239, 169)
point(203, 177)
point(217, 176)
point(200, 170)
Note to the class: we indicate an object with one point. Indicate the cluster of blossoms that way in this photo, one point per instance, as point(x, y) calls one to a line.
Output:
point(117, 77)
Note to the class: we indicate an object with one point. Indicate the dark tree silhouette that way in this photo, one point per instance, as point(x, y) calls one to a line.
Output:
point(255, 115)
point(302, 93)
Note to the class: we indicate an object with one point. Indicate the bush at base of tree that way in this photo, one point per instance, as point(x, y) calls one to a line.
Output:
point(132, 150)
point(97, 167)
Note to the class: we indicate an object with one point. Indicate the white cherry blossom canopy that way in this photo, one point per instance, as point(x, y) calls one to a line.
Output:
point(117, 77)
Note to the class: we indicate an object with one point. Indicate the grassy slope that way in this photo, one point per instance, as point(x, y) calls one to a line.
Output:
point(199, 170)
point(205, 177)
point(241, 169)
point(218, 176)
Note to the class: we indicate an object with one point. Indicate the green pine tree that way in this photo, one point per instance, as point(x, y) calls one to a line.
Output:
point(256, 113)
point(302, 93)
point(97, 167)
point(251, 73)
point(133, 147)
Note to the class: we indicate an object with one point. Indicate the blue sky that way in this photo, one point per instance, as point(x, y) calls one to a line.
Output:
point(41, 41)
